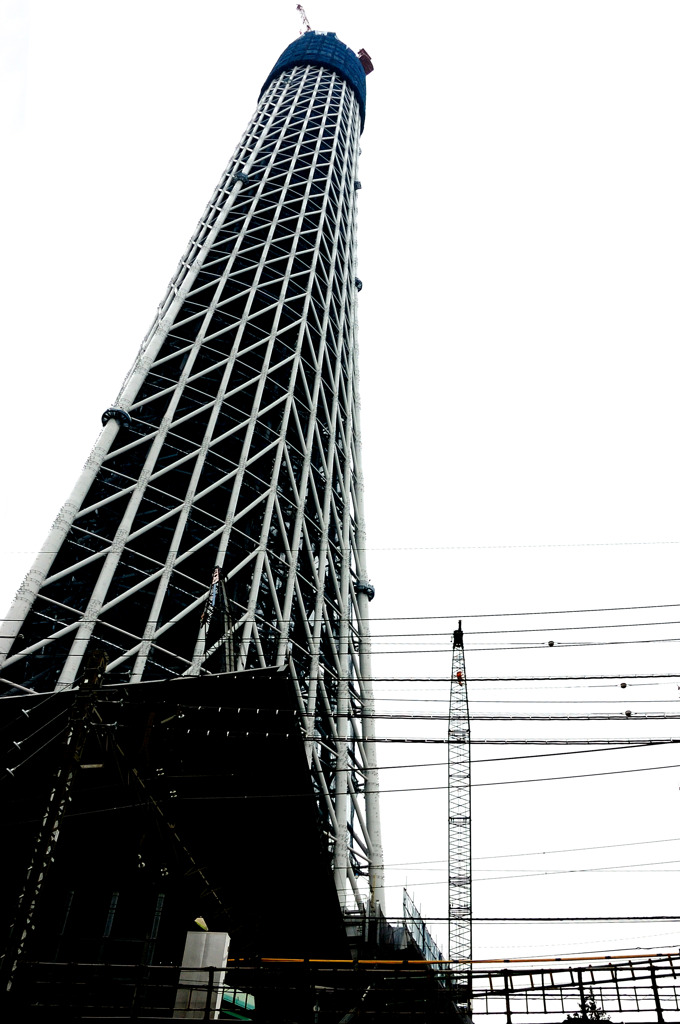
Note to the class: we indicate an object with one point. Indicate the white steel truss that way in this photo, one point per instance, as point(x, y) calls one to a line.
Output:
point(460, 832)
point(234, 445)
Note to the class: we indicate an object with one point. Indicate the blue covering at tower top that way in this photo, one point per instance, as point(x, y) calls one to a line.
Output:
point(326, 50)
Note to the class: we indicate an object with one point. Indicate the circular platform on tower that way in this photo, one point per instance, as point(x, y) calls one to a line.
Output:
point(325, 50)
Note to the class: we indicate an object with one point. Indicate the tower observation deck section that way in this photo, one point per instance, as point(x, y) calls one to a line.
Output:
point(218, 522)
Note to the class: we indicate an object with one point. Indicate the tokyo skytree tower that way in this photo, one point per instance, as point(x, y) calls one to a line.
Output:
point(218, 523)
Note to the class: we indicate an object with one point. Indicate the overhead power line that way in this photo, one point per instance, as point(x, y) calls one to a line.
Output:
point(539, 958)
point(512, 648)
point(612, 919)
point(495, 615)
point(393, 767)
point(112, 679)
point(580, 849)
point(417, 789)
point(534, 853)
point(398, 716)
point(453, 547)
point(590, 775)
point(235, 797)
point(565, 753)
point(506, 615)
point(622, 869)
point(533, 629)
point(490, 632)
point(528, 741)
point(550, 778)
point(548, 701)
point(538, 646)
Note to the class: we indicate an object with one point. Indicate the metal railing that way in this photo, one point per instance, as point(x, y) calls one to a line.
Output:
point(639, 989)
point(418, 931)
point(632, 991)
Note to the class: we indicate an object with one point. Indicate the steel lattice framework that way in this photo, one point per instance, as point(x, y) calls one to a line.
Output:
point(218, 522)
point(460, 833)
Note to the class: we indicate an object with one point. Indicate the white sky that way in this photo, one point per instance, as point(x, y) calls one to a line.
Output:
point(520, 252)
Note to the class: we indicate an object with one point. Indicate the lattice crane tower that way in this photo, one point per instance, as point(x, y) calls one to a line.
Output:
point(218, 522)
point(460, 832)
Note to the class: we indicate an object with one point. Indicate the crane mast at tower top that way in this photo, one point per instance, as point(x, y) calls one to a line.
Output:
point(306, 27)
point(460, 835)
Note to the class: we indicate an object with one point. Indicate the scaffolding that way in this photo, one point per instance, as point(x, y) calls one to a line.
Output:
point(644, 989)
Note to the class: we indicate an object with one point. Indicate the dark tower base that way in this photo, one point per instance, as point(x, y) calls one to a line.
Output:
point(192, 799)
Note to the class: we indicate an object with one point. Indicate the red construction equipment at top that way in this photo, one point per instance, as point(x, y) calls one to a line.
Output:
point(365, 61)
